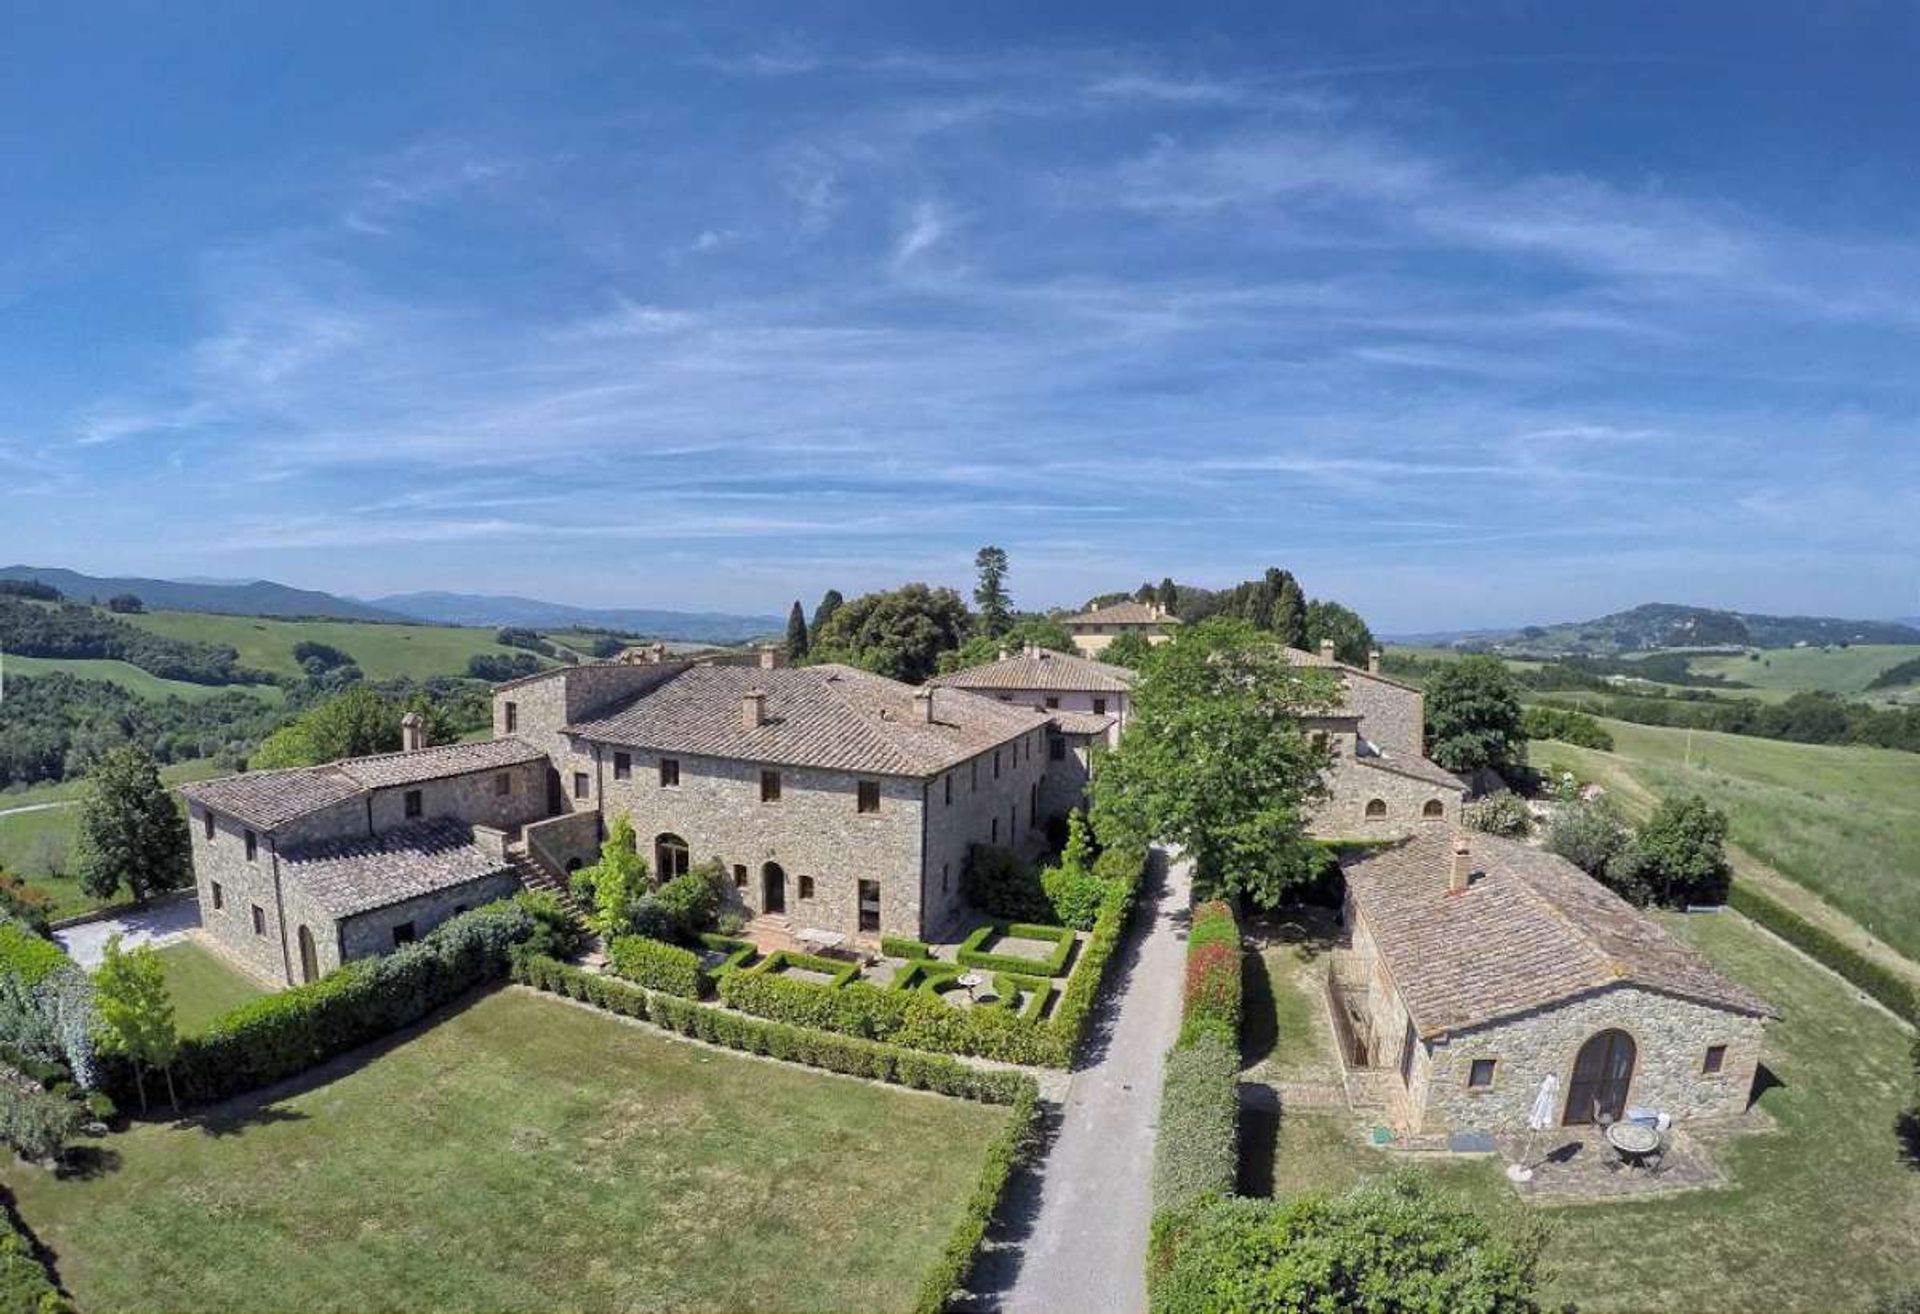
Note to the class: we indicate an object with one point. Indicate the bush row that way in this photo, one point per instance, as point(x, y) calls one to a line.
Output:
point(657, 965)
point(1890, 988)
point(899, 946)
point(1008, 1150)
point(1211, 1003)
point(29, 957)
point(842, 971)
point(25, 1287)
point(972, 955)
point(750, 1035)
point(1196, 1150)
point(283, 1034)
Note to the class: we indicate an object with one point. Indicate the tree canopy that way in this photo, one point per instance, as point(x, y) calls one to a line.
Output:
point(1352, 640)
point(990, 594)
point(830, 602)
point(130, 995)
point(614, 886)
point(900, 633)
point(1214, 760)
point(1130, 650)
point(352, 723)
point(1473, 716)
point(797, 638)
point(981, 649)
point(132, 835)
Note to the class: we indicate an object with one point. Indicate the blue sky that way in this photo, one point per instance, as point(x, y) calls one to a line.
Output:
point(1468, 316)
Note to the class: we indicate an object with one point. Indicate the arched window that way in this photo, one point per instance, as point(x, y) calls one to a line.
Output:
point(1376, 807)
point(669, 856)
point(1434, 809)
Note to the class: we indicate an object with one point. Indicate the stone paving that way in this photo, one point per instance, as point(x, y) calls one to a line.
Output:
point(1575, 1164)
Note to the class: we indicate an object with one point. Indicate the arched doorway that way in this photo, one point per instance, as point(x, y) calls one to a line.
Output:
point(773, 889)
point(669, 856)
point(1602, 1073)
point(309, 957)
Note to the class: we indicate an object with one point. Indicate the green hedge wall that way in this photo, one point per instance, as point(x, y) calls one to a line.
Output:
point(899, 946)
point(972, 955)
point(1211, 1003)
point(1007, 1152)
point(657, 965)
point(842, 971)
point(739, 953)
point(25, 1287)
point(1196, 1150)
point(1890, 988)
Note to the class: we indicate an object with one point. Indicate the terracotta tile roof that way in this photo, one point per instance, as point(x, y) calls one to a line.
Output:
point(266, 799)
point(1082, 723)
point(357, 875)
point(827, 716)
point(385, 769)
point(1530, 931)
point(1039, 668)
point(1416, 768)
point(1124, 613)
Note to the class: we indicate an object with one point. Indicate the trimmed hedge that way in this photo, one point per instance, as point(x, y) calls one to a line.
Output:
point(1211, 1004)
point(657, 965)
point(25, 1285)
point(972, 955)
point(282, 1035)
point(1890, 988)
point(1008, 1151)
point(921, 973)
point(1196, 1150)
point(899, 946)
point(842, 971)
point(739, 953)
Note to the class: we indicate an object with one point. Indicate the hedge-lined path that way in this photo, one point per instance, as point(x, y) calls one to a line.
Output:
point(1072, 1232)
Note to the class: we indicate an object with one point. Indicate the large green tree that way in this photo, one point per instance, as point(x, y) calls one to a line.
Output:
point(130, 995)
point(1352, 640)
point(1130, 650)
point(352, 723)
point(990, 593)
point(1214, 761)
point(614, 886)
point(1473, 716)
point(1679, 857)
point(830, 602)
point(797, 634)
point(900, 633)
point(1168, 594)
point(132, 835)
point(1041, 631)
point(1289, 610)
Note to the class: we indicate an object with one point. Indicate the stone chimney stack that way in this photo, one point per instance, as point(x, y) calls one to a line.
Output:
point(413, 732)
point(769, 658)
point(1373, 660)
point(753, 709)
point(923, 706)
point(1459, 875)
point(1326, 650)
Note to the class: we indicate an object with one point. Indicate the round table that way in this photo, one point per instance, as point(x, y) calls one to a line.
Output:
point(1634, 1142)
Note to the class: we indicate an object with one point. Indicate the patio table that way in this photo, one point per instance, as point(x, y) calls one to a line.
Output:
point(1634, 1142)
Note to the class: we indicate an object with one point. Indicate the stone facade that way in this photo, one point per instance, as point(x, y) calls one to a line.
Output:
point(1371, 801)
point(1069, 700)
point(372, 932)
point(990, 805)
point(1063, 787)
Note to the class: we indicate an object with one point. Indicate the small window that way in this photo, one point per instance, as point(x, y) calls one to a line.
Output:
point(806, 887)
point(1057, 748)
point(769, 786)
point(219, 897)
point(1099, 707)
point(414, 805)
point(1716, 1059)
point(582, 787)
point(253, 845)
point(973, 771)
point(945, 871)
point(1376, 807)
point(949, 789)
point(1053, 704)
point(1480, 1075)
point(739, 876)
point(996, 764)
point(669, 773)
point(513, 717)
point(403, 934)
point(996, 830)
point(503, 784)
point(869, 796)
point(869, 905)
point(1433, 809)
point(206, 820)
point(623, 766)
point(259, 920)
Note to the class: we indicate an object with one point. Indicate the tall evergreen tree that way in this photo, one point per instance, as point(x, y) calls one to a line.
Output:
point(990, 594)
point(1169, 594)
point(797, 633)
point(830, 602)
point(1145, 593)
point(1289, 610)
point(131, 834)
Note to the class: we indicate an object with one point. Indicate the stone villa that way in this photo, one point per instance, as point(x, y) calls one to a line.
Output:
point(1093, 630)
point(1477, 967)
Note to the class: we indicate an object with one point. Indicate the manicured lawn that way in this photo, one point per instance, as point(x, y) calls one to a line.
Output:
point(1821, 1214)
point(382, 651)
point(526, 1154)
point(1842, 821)
point(203, 985)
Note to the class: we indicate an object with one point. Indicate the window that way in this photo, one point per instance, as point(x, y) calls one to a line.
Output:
point(869, 905)
point(1099, 707)
point(259, 920)
point(623, 766)
point(869, 796)
point(512, 717)
point(669, 773)
point(253, 845)
point(413, 804)
point(206, 819)
point(945, 870)
point(1480, 1074)
point(671, 857)
point(219, 897)
point(769, 786)
point(503, 784)
point(996, 830)
point(973, 770)
point(1376, 807)
point(1057, 747)
point(996, 764)
point(1716, 1059)
point(582, 787)
point(1433, 809)
point(1013, 820)
point(739, 876)
point(806, 887)
point(403, 934)
point(1053, 704)
point(949, 789)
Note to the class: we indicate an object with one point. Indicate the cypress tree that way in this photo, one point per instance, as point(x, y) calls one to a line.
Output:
point(797, 633)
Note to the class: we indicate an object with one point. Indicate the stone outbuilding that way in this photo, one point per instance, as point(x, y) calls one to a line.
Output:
point(1478, 966)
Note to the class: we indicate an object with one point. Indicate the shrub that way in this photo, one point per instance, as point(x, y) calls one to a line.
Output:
point(27, 957)
point(1212, 1003)
point(1073, 895)
point(657, 965)
point(1590, 835)
point(694, 898)
point(25, 1287)
point(1504, 813)
point(1008, 1150)
point(1881, 983)
point(841, 970)
point(899, 946)
point(557, 932)
point(998, 883)
point(972, 955)
point(1196, 1149)
point(1566, 725)
point(1679, 857)
point(1382, 1248)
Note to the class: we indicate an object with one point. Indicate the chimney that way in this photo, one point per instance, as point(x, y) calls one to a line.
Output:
point(1326, 650)
point(1373, 660)
point(923, 706)
point(769, 659)
point(1459, 874)
point(413, 732)
point(753, 709)
point(1003, 653)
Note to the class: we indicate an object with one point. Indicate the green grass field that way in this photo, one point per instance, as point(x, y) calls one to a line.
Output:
point(382, 651)
point(136, 681)
point(202, 985)
point(525, 1154)
point(1842, 821)
point(1822, 1213)
point(1790, 670)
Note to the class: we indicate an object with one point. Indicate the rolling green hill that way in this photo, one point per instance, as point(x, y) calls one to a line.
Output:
point(382, 651)
point(134, 680)
point(1789, 670)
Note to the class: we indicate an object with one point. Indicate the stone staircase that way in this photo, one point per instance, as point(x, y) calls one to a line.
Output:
point(536, 875)
point(771, 932)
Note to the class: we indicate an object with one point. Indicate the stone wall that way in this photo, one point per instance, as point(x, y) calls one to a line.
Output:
point(1064, 786)
point(1354, 784)
point(368, 933)
point(1066, 700)
point(243, 886)
point(1092, 640)
point(473, 798)
point(986, 807)
point(1391, 715)
point(543, 704)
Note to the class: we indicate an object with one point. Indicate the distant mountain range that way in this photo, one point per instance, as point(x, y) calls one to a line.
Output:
point(1657, 625)
point(258, 597)
point(505, 609)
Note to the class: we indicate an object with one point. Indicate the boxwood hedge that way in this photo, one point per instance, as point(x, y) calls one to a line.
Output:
point(657, 965)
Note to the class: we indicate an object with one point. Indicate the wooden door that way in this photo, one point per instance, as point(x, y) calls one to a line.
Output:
point(1602, 1074)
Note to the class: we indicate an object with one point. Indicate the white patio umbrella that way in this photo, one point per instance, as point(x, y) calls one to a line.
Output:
point(1539, 1119)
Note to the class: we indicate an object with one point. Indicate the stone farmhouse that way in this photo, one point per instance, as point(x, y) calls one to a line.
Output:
point(1380, 784)
point(836, 799)
point(1093, 630)
point(1475, 969)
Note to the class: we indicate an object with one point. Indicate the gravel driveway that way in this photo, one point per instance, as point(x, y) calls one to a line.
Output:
point(161, 922)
